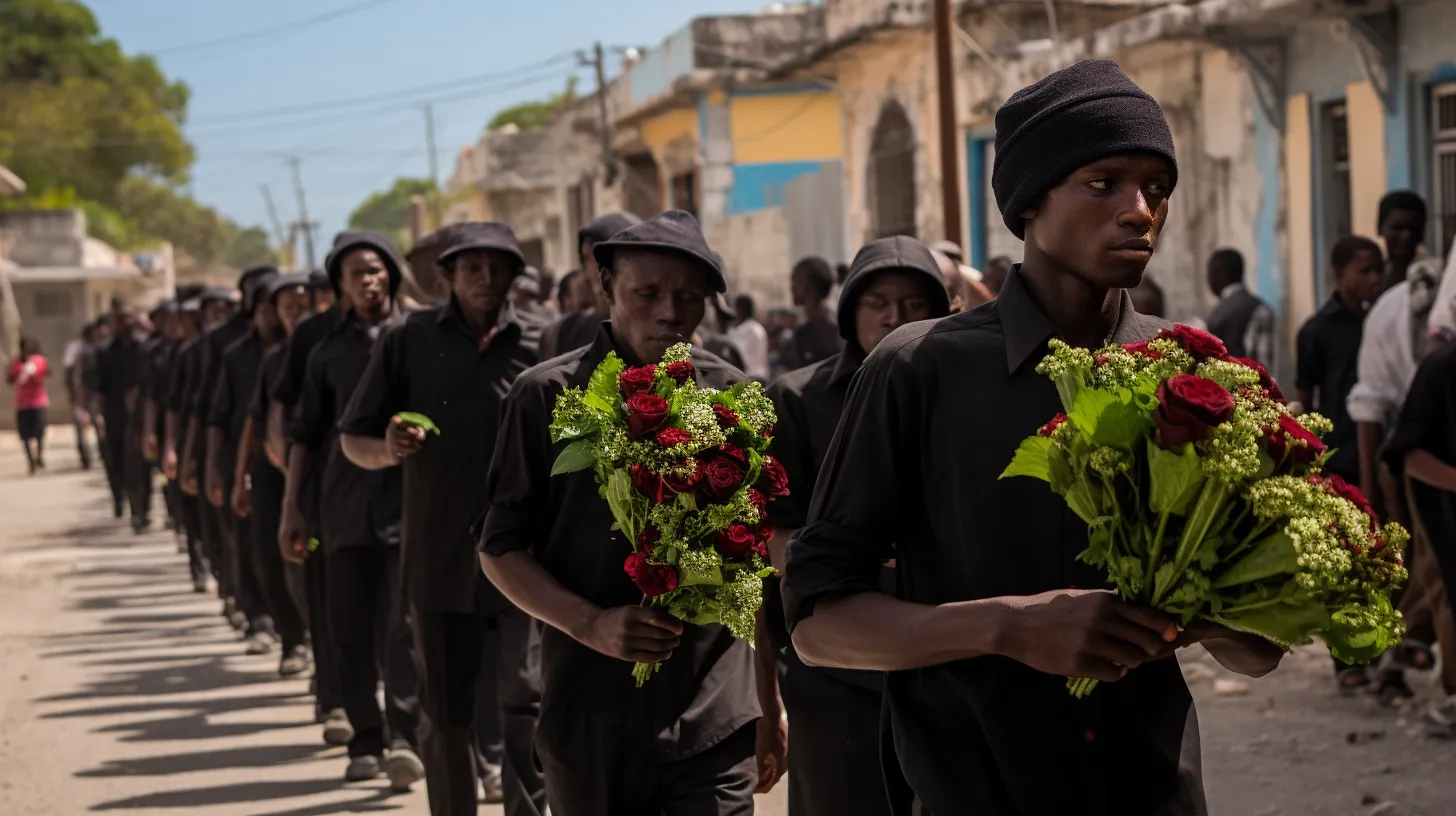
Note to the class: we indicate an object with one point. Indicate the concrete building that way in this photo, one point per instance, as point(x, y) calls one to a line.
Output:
point(10, 185)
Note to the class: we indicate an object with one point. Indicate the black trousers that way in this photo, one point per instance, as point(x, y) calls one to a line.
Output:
point(269, 570)
point(329, 689)
point(479, 676)
point(128, 473)
point(190, 521)
point(613, 770)
point(237, 549)
point(834, 744)
point(370, 632)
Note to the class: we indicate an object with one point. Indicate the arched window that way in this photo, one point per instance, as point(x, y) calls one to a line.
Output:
point(891, 183)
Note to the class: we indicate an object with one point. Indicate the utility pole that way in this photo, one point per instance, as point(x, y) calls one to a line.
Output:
point(306, 225)
point(950, 179)
point(273, 215)
point(434, 166)
point(597, 61)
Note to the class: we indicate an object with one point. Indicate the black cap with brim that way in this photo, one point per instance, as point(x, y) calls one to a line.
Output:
point(281, 282)
point(218, 293)
point(318, 279)
point(675, 232)
point(897, 253)
point(481, 236)
point(347, 242)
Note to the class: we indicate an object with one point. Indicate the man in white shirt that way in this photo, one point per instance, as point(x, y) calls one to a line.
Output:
point(75, 390)
point(751, 338)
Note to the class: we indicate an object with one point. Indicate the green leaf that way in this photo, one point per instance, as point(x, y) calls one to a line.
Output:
point(1031, 459)
point(419, 421)
point(1272, 556)
point(1109, 418)
point(1176, 476)
point(593, 400)
point(1285, 623)
point(605, 381)
point(705, 577)
point(622, 498)
point(579, 455)
point(1085, 499)
point(1062, 477)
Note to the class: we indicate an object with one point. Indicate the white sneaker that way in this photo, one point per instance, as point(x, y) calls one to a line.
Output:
point(404, 769)
point(337, 728)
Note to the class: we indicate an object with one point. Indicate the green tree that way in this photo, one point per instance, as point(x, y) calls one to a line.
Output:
point(535, 115)
point(384, 212)
point(248, 247)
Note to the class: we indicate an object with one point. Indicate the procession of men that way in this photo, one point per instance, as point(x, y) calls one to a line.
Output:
point(913, 650)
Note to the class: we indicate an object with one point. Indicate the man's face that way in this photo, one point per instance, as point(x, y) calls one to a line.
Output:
point(265, 320)
point(656, 300)
point(123, 325)
point(215, 312)
point(1402, 231)
point(892, 299)
point(323, 299)
point(364, 279)
point(291, 304)
point(802, 289)
point(1361, 280)
point(1103, 221)
point(480, 279)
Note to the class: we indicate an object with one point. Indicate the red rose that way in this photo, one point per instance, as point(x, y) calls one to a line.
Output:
point(726, 418)
point(767, 432)
point(773, 480)
point(1197, 342)
point(681, 484)
point(719, 479)
point(637, 380)
point(1339, 487)
point(1051, 427)
point(731, 451)
point(1143, 350)
point(1189, 408)
point(667, 437)
point(646, 413)
point(652, 579)
point(1293, 440)
point(680, 371)
point(761, 537)
point(1266, 382)
point(757, 499)
point(736, 542)
point(647, 541)
point(647, 483)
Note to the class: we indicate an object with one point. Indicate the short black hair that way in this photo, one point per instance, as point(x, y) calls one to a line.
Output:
point(1004, 260)
point(1230, 262)
point(1407, 200)
point(819, 272)
point(1348, 247)
point(744, 303)
point(841, 272)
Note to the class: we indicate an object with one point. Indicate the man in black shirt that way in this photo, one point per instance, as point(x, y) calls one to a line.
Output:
point(685, 743)
point(1329, 347)
point(834, 758)
point(454, 364)
point(983, 628)
point(578, 328)
point(186, 329)
point(117, 398)
point(817, 338)
point(359, 520)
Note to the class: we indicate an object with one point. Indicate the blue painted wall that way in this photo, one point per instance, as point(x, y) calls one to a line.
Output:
point(757, 186)
point(976, 183)
point(1268, 264)
point(662, 66)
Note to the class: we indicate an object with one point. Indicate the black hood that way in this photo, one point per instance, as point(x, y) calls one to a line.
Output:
point(894, 253)
point(604, 227)
point(346, 241)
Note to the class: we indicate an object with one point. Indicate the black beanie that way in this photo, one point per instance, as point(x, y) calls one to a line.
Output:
point(1067, 120)
point(675, 232)
point(897, 253)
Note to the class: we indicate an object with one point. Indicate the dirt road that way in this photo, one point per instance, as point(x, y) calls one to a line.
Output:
point(120, 689)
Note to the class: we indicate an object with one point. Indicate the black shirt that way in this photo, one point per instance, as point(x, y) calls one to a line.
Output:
point(357, 507)
point(288, 385)
point(235, 386)
point(814, 341)
point(431, 364)
point(118, 380)
point(1428, 423)
point(1329, 348)
point(215, 344)
point(570, 332)
point(699, 696)
point(268, 370)
point(933, 417)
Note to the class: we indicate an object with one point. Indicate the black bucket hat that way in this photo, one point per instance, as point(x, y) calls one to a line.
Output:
point(260, 282)
point(481, 235)
point(346, 242)
point(278, 283)
point(898, 253)
point(218, 293)
point(318, 279)
point(674, 231)
point(604, 227)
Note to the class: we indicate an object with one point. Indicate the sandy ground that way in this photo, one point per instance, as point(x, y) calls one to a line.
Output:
point(120, 689)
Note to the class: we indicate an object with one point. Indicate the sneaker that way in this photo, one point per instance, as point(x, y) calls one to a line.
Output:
point(141, 525)
point(199, 584)
point(404, 768)
point(1440, 719)
point(259, 644)
point(295, 661)
point(491, 790)
point(117, 511)
point(239, 621)
point(337, 728)
point(362, 769)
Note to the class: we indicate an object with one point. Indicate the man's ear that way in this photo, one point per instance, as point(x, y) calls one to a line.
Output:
point(608, 277)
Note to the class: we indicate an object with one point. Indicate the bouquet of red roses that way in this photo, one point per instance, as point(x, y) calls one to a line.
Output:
point(1204, 498)
point(686, 473)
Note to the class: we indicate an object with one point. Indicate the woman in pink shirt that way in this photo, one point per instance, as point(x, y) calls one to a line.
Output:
point(28, 375)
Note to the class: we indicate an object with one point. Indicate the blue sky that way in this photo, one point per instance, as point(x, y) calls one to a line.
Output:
point(390, 45)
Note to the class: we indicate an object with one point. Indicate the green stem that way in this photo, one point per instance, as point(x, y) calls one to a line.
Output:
point(1248, 606)
point(1156, 554)
point(1249, 540)
point(1210, 503)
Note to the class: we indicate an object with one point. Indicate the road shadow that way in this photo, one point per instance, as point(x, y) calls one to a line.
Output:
point(254, 756)
point(257, 791)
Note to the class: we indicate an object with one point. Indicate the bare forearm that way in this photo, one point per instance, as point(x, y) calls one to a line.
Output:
point(213, 459)
point(880, 633)
point(149, 416)
point(368, 452)
point(300, 459)
point(169, 431)
point(527, 584)
point(247, 448)
point(273, 442)
point(765, 668)
point(777, 546)
point(189, 447)
point(1426, 467)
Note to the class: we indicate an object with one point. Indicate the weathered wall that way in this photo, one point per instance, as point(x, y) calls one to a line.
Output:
point(845, 17)
point(755, 250)
point(51, 238)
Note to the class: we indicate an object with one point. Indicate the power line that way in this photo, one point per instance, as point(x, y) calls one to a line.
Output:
point(293, 25)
